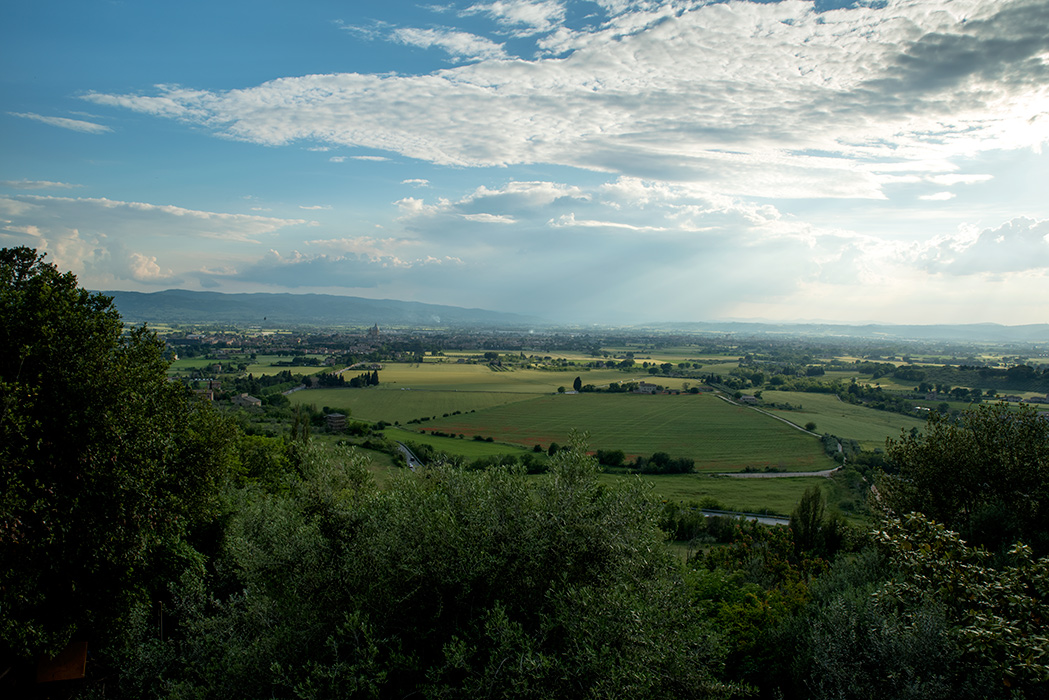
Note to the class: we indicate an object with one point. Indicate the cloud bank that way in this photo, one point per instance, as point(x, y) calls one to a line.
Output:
point(766, 99)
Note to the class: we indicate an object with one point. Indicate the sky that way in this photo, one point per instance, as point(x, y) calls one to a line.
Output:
point(605, 161)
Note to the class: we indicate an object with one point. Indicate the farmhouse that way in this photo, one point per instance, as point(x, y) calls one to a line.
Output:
point(645, 388)
point(246, 400)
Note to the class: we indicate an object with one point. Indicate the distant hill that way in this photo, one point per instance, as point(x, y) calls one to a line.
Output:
point(182, 306)
point(971, 332)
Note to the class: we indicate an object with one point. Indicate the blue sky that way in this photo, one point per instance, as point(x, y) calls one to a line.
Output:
point(614, 161)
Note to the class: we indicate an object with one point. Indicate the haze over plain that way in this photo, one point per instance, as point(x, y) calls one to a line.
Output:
point(610, 161)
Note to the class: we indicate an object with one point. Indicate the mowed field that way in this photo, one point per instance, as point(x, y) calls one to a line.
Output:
point(457, 377)
point(867, 425)
point(393, 406)
point(428, 390)
point(718, 435)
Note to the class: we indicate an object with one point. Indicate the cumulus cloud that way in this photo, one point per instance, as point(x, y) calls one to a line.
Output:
point(1020, 245)
point(102, 240)
point(938, 196)
point(145, 269)
point(418, 182)
point(65, 123)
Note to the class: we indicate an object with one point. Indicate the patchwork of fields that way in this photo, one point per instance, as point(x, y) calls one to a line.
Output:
point(520, 408)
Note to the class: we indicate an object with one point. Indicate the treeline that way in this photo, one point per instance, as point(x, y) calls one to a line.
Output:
point(1016, 378)
point(658, 463)
point(333, 379)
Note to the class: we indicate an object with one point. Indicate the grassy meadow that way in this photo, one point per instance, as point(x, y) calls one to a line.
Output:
point(869, 426)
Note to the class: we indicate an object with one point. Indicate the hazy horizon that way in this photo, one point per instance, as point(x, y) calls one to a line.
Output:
point(615, 161)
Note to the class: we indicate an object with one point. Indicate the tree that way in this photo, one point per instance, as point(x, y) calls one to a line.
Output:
point(985, 475)
point(448, 583)
point(814, 532)
point(577, 384)
point(105, 466)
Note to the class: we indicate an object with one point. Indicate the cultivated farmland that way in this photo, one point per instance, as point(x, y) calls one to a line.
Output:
point(718, 435)
point(832, 415)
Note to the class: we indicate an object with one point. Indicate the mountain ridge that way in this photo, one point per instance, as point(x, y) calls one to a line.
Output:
point(186, 306)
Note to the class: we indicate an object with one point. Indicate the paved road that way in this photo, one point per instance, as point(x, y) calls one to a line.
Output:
point(409, 457)
point(758, 517)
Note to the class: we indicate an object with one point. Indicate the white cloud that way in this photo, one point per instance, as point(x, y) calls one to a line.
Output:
point(145, 269)
point(337, 159)
point(1020, 245)
point(36, 185)
point(524, 17)
point(373, 159)
point(768, 99)
point(315, 207)
point(461, 45)
point(102, 214)
point(960, 179)
point(33, 231)
point(418, 182)
point(490, 218)
point(938, 196)
point(569, 221)
point(394, 248)
point(65, 123)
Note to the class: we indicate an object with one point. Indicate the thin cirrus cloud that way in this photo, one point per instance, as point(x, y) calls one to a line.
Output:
point(36, 185)
point(109, 216)
point(770, 91)
point(65, 123)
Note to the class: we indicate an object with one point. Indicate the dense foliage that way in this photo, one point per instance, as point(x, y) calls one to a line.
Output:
point(105, 468)
point(985, 475)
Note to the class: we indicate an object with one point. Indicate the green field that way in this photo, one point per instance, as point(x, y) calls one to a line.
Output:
point(778, 496)
point(455, 446)
point(264, 364)
point(831, 415)
point(180, 367)
point(718, 435)
point(465, 377)
point(379, 403)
